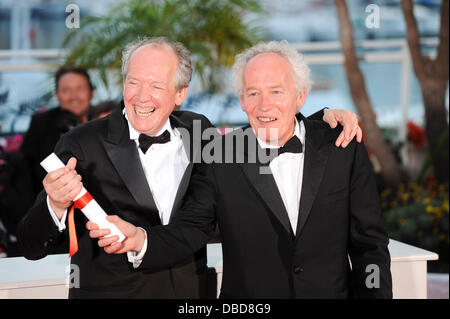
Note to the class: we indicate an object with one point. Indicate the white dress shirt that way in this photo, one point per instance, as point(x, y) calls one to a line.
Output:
point(287, 170)
point(164, 166)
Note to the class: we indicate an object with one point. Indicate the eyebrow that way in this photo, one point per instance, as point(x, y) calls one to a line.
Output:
point(271, 87)
point(152, 82)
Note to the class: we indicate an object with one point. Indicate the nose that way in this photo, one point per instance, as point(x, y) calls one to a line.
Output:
point(144, 93)
point(266, 102)
point(73, 94)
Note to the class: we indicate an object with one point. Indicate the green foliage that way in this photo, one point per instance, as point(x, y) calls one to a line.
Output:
point(214, 31)
point(433, 154)
point(418, 216)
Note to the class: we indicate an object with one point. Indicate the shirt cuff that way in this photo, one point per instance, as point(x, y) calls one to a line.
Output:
point(60, 223)
point(136, 258)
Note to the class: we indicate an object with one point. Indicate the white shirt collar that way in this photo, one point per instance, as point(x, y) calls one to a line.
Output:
point(297, 131)
point(134, 135)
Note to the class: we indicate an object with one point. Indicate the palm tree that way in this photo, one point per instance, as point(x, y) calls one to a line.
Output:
point(433, 77)
point(390, 169)
point(214, 31)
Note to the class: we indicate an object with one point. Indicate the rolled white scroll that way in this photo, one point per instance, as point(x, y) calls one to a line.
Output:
point(92, 210)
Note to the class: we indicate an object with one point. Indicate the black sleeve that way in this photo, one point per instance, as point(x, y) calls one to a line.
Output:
point(16, 191)
point(318, 116)
point(368, 242)
point(37, 233)
point(191, 227)
point(31, 147)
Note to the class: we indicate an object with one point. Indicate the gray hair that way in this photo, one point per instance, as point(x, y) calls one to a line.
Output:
point(283, 48)
point(183, 74)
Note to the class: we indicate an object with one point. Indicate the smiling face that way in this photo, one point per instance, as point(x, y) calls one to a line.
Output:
point(74, 94)
point(149, 88)
point(270, 97)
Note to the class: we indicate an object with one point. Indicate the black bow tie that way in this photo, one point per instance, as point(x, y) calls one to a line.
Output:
point(294, 145)
point(146, 141)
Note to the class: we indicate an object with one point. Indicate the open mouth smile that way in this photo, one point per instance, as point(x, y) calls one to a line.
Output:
point(145, 112)
point(267, 119)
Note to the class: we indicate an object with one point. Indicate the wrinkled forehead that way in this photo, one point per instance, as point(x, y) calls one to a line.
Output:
point(269, 65)
point(153, 58)
point(268, 59)
point(150, 50)
point(154, 46)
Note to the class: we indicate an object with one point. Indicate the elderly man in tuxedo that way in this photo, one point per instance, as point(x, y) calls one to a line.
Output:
point(135, 163)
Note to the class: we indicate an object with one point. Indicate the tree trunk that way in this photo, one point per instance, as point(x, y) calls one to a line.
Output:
point(390, 169)
point(433, 78)
point(436, 126)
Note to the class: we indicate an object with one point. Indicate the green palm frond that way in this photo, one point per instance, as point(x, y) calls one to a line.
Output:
point(213, 30)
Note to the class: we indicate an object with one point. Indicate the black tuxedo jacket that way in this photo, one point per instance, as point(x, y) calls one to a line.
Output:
point(111, 171)
point(40, 139)
point(339, 219)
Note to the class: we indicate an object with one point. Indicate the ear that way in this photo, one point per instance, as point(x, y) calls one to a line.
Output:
point(57, 96)
point(180, 96)
point(243, 107)
point(301, 99)
point(123, 90)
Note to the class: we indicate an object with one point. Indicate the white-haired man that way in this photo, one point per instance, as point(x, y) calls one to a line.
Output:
point(136, 164)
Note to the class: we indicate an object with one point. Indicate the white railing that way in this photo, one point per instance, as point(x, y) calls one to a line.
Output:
point(16, 62)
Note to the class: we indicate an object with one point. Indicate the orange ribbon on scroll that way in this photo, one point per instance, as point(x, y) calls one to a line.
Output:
point(80, 203)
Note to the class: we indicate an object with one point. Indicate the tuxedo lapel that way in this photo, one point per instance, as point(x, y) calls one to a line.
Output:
point(185, 129)
point(317, 149)
point(265, 185)
point(124, 155)
point(181, 190)
point(267, 188)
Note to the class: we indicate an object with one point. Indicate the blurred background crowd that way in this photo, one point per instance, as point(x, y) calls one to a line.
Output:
point(385, 60)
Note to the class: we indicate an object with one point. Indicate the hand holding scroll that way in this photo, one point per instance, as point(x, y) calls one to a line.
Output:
point(134, 240)
point(66, 178)
point(61, 186)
